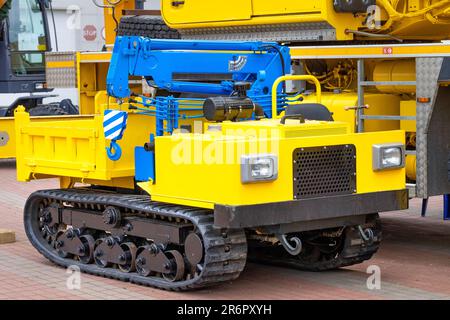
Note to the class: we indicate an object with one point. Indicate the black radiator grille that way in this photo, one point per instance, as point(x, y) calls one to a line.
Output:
point(324, 171)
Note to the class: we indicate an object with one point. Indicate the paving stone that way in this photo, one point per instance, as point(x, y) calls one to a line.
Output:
point(414, 260)
point(7, 236)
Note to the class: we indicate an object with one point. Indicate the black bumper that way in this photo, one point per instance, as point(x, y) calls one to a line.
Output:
point(279, 213)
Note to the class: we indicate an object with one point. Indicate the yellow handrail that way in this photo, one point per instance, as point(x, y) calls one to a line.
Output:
point(293, 78)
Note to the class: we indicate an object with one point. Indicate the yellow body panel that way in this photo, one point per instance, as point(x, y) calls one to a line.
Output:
point(266, 129)
point(92, 68)
point(379, 104)
point(207, 14)
point(269, 7)
point(75, 147)
point(427, 18)
point(110, 19)
point(395, 70)
point(59, 64)
point(408, 108)
point(194, 11)
point(411, 167)
point(371, 51)
point(92, 72)
point(192, 169)
point(204, 170)
point(407, 20)
point(91, 80)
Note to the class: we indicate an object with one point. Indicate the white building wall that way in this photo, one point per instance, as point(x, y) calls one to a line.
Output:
point(152, 5)
point(73, 18)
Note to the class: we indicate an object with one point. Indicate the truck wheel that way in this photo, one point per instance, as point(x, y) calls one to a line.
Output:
point(47, 110)
point(146, 26)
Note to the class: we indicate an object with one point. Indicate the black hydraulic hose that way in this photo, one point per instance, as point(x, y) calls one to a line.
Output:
point(54, 26)
point(114, 18)
point(372, 35)
point(283, 65)
point(112, 6)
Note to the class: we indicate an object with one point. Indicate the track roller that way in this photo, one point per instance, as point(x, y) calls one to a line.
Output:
point(128, 258)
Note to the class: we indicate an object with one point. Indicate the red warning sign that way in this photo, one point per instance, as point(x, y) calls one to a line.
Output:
point(388, 50)
point(90, 32)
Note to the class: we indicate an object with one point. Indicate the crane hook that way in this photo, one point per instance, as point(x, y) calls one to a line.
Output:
point(114, 151)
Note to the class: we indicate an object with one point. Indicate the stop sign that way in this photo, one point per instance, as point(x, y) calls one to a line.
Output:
point(90, 32)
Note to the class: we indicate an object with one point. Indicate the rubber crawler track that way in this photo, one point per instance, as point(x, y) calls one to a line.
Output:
point(333, 264)
point(224, 258)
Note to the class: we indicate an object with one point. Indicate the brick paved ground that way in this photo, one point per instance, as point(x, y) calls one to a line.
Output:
point(414, 260)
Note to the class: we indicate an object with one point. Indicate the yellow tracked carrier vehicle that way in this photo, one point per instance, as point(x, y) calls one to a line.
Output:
point(177, 190)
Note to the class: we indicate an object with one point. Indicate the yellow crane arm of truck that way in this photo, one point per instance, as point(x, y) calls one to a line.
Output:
point(319, 20)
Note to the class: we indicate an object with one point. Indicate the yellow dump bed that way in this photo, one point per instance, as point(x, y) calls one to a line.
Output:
point(74, 149)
